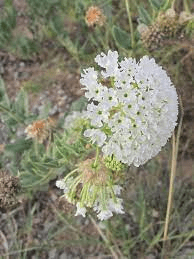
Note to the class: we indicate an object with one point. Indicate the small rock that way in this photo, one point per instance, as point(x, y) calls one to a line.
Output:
point(54, 110)
point(61, 92)
point(64, 256)
point(52, 253)
point(16, 75)
point(151, 256)
point(155, 213)
point(22, 64)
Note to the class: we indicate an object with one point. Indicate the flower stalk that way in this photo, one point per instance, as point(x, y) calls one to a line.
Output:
point(130, 22)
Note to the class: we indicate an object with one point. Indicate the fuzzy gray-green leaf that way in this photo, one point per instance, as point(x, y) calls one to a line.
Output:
point(144, 15)
point(121, 37)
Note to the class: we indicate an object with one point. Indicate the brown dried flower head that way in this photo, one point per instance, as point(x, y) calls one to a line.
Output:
point(39, 129)
point(9, 187)
point(166, 26)
point(95, 176)
point(94, 16)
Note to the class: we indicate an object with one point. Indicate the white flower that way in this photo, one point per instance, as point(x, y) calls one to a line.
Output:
point(117, 189)
point(65, 185)
point(104, 214)
point(116, 206)
point(96, 136)
point(80, 210)
point(109, 98)
point(108, 62)
point(94, 89)
point(140, 108)
point(61, 184)
point(97, 114)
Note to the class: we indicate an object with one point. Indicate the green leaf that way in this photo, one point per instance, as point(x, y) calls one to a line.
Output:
point(121, 37)
point(19, 146)
point(80, 104)
point(66, 42)
point(4, 99)
point(21, 104)
point(56, 25)
point(156, 4)
point(144, 15)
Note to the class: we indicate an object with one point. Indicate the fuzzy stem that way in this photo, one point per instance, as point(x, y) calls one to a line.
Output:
point(97, 156)
point(130, 22)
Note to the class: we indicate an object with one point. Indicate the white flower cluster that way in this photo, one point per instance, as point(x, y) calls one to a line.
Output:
point(103, 207)
point(136, 101)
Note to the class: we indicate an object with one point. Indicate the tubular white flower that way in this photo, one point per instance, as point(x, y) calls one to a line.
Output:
point(96, 136)
point(64, 184)
point(116, 206)
point(80, 210)
point(104, 214)
point(140, 108)
point(117, 189)
point(108, 62)
point(97, 114)
point(61, 184)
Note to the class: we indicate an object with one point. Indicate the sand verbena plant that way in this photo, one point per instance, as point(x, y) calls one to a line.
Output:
point(132, 110)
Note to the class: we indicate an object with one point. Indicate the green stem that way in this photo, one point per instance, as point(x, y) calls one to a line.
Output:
point(72, 172)
point(36, 147)
point(166, 5)
point(97, 156)
point(73, 186)
point(130, 22)
point(186, 6)
point(173, 4)
point(99, 35)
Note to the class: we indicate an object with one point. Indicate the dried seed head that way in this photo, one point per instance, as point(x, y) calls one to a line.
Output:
point(9, 187)
point(184, 17)
point(95, 176)
point(166, 26)
point(94, 15)
point(39, 129)
point(171, 13)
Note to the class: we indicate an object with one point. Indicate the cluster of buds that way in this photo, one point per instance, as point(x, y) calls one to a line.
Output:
point(92, 187)
point(39, 129)
point(9, 187)
point(95, 16)
point(167, 26)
